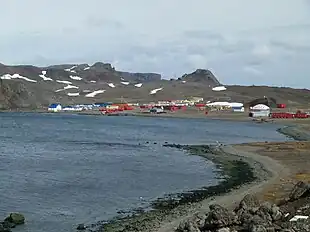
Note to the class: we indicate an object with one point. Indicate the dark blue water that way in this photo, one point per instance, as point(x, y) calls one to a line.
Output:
point(61, 170)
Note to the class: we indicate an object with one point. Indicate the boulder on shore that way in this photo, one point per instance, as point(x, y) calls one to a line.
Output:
point(11, 221)
point(254, 216)
point(300, 189)
point(15, 218)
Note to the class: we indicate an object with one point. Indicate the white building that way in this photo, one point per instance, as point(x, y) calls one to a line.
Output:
point(72, 108)
point(238, 109)
point(259, 110)
point(55, 107)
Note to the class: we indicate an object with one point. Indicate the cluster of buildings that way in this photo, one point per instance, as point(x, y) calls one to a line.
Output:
point(108, 106)
point(258, 110)
point(57, 107)
point(186, 102)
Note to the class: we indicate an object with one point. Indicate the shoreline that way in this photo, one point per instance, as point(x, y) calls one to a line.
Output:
point(191, 114)
point(237, 172)
point(265, 172)
point(295, 132)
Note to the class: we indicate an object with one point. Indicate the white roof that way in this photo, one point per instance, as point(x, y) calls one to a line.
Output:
point(260, 107)
point(219, 88)
point(236, 104)
point(230, 104)
point(218, 104)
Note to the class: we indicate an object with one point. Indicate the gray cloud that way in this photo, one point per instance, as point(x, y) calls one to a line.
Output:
point(170, 37)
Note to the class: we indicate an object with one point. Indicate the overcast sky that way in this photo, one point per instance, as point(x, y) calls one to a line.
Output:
point(241, 41)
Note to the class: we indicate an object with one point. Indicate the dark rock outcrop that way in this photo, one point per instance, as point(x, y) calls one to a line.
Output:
point(141, 77)
point(13, 95)
point(254, 216)
point(219, 217)
point(300, 189)
point(13, 220)
point(81, 227)
point(202, 75)
point(16, 218)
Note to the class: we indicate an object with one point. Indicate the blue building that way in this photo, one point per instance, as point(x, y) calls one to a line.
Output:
point(55, 107)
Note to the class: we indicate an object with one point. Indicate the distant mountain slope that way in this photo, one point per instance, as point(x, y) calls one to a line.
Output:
point(105, 72)
point(27, 86)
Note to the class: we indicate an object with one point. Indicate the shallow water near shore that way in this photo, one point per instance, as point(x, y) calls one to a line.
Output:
point(61, 170)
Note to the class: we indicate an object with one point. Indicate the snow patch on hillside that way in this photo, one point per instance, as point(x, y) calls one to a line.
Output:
point(93, 94)
point(71, 69)
point(154, 91)
point(77, 78)
point(64, 82)
point(71, 87)
point(138, 85)
point(16, 76)
point(73, 94)
point(43, 76)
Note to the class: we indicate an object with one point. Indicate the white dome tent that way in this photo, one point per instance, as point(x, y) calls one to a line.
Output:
point(260, 107)
point(259, 110)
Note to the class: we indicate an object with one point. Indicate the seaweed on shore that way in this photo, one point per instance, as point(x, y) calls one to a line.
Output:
point(239, 174)
point(236, 171)
point(294, 133)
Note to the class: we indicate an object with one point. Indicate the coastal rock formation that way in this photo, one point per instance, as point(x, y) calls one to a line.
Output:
point(254, 216)
point(299, 190)
point(13, 220)
point(16, 218)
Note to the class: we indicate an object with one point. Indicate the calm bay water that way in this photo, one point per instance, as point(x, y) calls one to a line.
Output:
point(61, 170)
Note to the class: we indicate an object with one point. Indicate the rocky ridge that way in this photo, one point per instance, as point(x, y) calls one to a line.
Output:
point(202, 75)
point(30, 87)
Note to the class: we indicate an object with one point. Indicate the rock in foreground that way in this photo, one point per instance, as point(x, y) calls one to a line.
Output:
point(13, 220)
point(16, 218)
point(254, 216)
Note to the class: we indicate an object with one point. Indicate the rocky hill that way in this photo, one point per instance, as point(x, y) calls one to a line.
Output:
point(104, 72)
point(27, 86)
point(202, 75)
